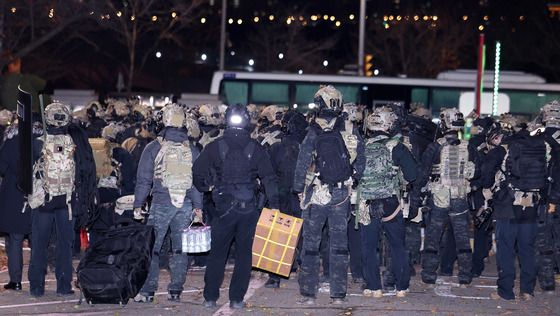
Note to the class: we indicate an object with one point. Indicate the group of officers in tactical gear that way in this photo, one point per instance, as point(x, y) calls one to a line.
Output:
point(364, 181)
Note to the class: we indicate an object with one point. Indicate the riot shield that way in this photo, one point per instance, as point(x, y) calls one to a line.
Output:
point(25, 135)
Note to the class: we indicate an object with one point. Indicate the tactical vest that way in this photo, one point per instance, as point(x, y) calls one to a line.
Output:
point(381, 177)
point(173, 167)
point(54, 173)
point(107, 169)
point(451, 176)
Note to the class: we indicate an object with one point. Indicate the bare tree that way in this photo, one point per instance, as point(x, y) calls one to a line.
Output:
point(141, 25)
point(299, 50)
point(417, 47)
point(26, 25)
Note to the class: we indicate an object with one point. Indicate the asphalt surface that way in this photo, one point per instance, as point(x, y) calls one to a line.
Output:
point(446, 298)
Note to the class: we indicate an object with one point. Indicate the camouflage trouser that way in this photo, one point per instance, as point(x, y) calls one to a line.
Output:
point(164, 217)
point(314, 218)
point(457, 214)
point(544, 245)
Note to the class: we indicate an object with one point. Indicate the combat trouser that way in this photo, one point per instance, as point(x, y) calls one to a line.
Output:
point(314, 219)
point(42, 222)
point(544, 245)
point(457, 214)
point(164, 217)
point(241, 227)
point(512, 236)
point(395, 232)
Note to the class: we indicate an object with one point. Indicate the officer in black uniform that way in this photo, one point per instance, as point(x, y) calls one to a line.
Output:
point(283, 156)
point(229, 167)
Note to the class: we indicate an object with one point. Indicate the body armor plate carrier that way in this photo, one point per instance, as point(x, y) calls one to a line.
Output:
point(173, 167)
point(450, 177)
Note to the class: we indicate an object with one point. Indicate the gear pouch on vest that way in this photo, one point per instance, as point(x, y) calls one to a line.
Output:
point(441, 196)
point(524, 199)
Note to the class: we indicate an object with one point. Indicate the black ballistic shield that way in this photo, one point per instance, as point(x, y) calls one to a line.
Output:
point(25, 135)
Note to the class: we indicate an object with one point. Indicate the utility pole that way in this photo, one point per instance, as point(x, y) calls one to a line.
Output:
point(223, 36)
point(362, 35)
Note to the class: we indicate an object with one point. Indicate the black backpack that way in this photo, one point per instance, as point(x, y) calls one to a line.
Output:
point(526, 164)
point(332, 158)
point(116, 266)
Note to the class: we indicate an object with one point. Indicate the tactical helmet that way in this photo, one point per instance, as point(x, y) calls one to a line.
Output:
point(327, 97)
point(253, 113)
point(482, 125)
point(120, 107)
point(551, 114)
point(451, 119)
point(6, 117)
point(272, 113)
point(381, 119)
point(209, 115)
point(237, 116)
point(111, 131)
point(173, 115)
point(510, 123)
point(354, 112)
point(57, 115)
point(422, 112)
point(494, 131)
point(192, 125)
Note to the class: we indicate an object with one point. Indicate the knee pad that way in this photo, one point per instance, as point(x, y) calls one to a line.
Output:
point(340, 252)
point(431, 252)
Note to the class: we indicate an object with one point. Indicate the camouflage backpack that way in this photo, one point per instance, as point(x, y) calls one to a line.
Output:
point(173, 167)
point(54, 173)
point(107, 169)
point(381, 178)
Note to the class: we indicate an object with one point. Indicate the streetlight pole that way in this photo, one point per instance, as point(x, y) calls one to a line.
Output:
point(362, 35)
point(223, 36)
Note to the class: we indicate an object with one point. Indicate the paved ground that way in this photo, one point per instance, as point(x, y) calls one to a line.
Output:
point(447, 298)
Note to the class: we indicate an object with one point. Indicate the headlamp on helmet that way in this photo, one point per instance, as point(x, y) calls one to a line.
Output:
point(382, 119)
point(451, 119)
point(57, 115)
point(327, 97)
point(173, 115)
point(237, 116)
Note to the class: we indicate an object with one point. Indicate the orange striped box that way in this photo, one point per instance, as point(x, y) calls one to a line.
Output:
point(275, 241)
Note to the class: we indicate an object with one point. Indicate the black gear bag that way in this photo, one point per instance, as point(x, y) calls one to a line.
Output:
point(116, 266)
point(332, 158)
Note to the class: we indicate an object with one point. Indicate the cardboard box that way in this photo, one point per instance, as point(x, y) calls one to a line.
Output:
point(276, 239)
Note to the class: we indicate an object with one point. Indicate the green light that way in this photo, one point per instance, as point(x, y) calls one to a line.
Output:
point(496, 80)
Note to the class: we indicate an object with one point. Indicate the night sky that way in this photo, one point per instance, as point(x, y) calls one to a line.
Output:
point(413, 38)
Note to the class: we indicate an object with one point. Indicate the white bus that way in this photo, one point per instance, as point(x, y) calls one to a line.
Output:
point(519, 92)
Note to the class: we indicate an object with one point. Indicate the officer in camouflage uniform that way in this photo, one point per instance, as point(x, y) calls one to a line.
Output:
point(165, 171)
point(446, 169)
point(325, 176)
point(388, 164)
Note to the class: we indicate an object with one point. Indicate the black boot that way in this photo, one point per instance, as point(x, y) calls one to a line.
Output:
point(272, 283)
point(16, 286)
